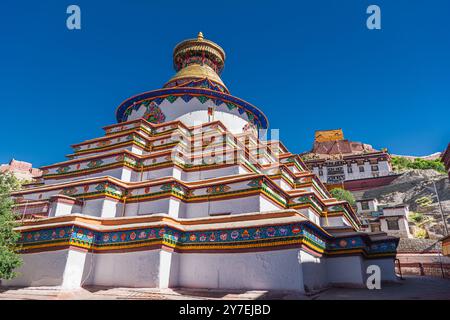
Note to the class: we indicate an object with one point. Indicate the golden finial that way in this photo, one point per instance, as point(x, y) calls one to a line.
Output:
point(200, 36)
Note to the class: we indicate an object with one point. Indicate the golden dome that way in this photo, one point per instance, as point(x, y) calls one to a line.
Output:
point(198, 59)
point(197, 71)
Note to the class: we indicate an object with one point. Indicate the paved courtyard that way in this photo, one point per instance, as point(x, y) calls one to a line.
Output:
point(412, 287)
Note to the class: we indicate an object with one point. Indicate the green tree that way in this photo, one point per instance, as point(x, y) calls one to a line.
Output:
point(343, 195)
point(400, 163)
point(9, 258)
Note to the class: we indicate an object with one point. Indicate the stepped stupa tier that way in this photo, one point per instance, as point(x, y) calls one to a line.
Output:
point(183, 192)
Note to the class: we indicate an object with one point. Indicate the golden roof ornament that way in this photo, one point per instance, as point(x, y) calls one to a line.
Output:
point(197, 58)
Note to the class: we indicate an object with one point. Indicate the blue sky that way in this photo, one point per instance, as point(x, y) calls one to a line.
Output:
point(308, 65)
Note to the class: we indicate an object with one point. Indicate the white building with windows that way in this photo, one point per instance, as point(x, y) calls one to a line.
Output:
point(376, 217)
point(352, 165)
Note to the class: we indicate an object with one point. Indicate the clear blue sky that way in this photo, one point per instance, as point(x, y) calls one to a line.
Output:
point(308, 65)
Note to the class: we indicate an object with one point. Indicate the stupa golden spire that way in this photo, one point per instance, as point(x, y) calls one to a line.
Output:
point(197, 58)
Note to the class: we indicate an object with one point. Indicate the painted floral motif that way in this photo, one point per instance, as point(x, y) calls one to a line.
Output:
point(296, 229)
point(102, 186)
point(172, 186)
point(304, 199)
point(94, 163)
point(103, 143)
point(223, 236)
point(336, 208)
point(258, 182)
point(106, 187)
point(142, 235)
point(304, 180)
point(154, 114)
point(63, 169)
point(68, 191)
point(271, 231)
point(245, 234)
point(218, 189)
point(342, 243)
point(288, 160)
point(131, 160)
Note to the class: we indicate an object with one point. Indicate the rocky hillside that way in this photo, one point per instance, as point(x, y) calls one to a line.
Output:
point(412, 188)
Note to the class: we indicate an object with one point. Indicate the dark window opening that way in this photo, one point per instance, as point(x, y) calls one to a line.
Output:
point(392, 224)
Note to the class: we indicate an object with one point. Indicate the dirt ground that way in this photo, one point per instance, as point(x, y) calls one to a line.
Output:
point(411, 288)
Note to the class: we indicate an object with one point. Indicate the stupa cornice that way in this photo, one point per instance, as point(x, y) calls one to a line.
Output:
point(200, 223)
point(289, 218)
point(129, 186)
point(166, 150)
point(199, 185)
point(220, 99)
point(160, 136)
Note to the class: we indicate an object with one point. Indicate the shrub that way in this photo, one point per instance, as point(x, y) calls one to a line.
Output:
point(401, 163)
point(343, 195)
point(421, 234)
point(9, 258)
